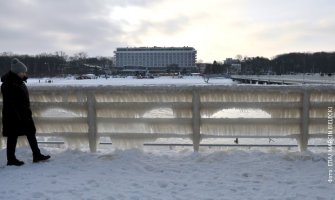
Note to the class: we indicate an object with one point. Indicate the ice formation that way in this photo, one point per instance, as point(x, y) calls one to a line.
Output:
point(131, 115)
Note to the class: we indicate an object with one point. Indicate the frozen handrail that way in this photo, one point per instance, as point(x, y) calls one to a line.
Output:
point(135, 114)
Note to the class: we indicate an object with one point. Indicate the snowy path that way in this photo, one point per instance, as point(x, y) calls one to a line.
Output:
point(168, 174)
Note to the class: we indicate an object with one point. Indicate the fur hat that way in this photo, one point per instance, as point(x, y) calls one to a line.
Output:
point(17, 66)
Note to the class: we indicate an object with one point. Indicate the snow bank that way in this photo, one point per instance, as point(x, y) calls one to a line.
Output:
point(171, 174)
point(187, 80)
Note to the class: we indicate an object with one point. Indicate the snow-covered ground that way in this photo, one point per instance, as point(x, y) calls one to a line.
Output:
point(165, 172)
point(186, 80)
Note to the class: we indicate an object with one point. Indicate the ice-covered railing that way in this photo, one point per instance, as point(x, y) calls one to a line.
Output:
point(137, 114)
point(286, 79)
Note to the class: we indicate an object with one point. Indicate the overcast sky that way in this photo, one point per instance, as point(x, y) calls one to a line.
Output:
point(216, 28)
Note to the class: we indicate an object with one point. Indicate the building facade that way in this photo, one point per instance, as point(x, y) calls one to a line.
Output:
point(234, 65)
point(156, 57)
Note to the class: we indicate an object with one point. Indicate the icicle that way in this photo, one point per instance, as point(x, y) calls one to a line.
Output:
point(241, 113)
point(284, 113)
point(125, 127)
point(129, 141)
point(182, 113)
point(60, 112)
point(318, 129)
point(248, 130)
point(159, 113)
point(2, 141)
point(318, 112)
point(22, 141)
point(61, 128)
point(73, 141)
point(322, 97)
point(143, 97)
point(249, 97)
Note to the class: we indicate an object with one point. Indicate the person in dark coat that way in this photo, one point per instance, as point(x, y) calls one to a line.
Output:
point(17, 117)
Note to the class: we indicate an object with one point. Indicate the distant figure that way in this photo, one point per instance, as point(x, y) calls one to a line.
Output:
point(16, 113)
point(236, 141)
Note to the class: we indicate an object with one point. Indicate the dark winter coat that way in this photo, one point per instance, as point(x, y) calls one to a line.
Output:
point(16, 113)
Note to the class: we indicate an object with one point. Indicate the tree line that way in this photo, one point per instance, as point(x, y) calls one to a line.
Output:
point(58, 64)
point(290, 63)
point(320, 62)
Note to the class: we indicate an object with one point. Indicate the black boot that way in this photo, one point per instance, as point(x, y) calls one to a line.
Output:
point(40, 157)
point(15, 162)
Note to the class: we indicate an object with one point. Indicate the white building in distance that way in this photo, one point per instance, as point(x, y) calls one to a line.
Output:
point(156, 57)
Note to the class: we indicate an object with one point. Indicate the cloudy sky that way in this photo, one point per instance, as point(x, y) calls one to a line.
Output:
point(216, 28)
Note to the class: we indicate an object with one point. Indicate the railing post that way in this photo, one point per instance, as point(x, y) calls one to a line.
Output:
point(196, 119)
point(92, 122)
point(304, 132)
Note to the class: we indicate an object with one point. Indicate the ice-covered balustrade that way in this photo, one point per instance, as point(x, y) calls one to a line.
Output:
point(286, 79)
point(132, 115)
